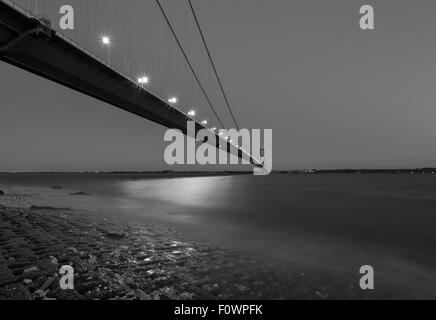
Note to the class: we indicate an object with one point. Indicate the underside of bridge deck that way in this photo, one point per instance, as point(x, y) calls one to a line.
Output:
point(29, 44)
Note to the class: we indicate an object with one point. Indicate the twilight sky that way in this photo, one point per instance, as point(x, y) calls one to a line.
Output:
point(334, 95)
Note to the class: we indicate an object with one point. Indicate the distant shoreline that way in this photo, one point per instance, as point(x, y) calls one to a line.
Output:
point(223, 173)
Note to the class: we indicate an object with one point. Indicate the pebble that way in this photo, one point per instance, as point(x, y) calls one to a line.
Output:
point(142, 295)
point(32, 269)
point(41, 293)
point(117, 235)
point(53, 260)
point(48, 283)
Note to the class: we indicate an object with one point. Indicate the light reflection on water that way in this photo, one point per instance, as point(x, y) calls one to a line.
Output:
point(203, 192)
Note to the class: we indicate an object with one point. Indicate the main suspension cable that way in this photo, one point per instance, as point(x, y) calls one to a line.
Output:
point(212, 63)
point(188, 62)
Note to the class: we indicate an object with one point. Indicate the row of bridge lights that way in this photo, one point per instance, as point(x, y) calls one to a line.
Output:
point(173, 100)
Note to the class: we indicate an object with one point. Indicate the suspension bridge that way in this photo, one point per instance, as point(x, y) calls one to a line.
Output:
point(85, 61)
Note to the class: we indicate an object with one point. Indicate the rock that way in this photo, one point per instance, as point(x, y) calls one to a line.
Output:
point(113, 234)
point(141, 295)
point(41, 293)
point(32, 269)
point(185, 296)
point(215, 289)
point(116, 253)
point(92, 260)
point(132, 285)
point(48, 283)
point(2, 193)
point(27, 281)
point(74, 250)
point(241, 287)
point(87, 286)
point(53, 260)
point(57, 187)
point(151, 272)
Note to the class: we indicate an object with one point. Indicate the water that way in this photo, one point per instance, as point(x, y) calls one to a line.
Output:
point(330, 222)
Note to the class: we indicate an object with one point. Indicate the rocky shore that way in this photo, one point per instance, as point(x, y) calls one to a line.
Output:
point(111, 260)
point(124, 259)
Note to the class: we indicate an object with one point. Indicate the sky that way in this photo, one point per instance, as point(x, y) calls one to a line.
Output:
point(334, 95)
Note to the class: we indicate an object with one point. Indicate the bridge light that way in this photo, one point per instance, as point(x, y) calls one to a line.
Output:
point(213, 129)
point(192, 113)
point(143, 80)
point(106, 40)
point(204, 122)
point(172, 100)
point(220, 134)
